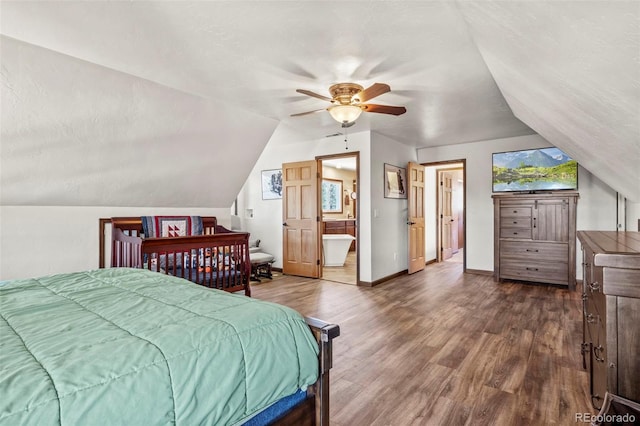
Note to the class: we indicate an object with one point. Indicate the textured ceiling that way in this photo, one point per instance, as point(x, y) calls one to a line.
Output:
point(196, 77)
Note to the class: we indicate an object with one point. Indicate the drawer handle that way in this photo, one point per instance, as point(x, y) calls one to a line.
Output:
point(597, 353)
point(532, 269)
point(594, 286)
point(515, 211)
point(590, 318)
point(515, 222)
point(533, 250)
point(515, 233)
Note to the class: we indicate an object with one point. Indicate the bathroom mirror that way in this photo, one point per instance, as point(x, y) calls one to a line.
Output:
point(331, 196)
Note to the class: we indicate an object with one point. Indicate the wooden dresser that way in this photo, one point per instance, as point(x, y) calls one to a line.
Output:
point(535, 237)
point(611, 307)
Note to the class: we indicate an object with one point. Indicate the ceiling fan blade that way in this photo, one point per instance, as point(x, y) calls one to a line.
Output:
point(313, 94)
point(372, 91)
point(308, 112)
point(384, 109)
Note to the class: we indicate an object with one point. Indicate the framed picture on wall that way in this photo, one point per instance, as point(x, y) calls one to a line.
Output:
point(272, 184)
point(331, 196)
point(395, 181)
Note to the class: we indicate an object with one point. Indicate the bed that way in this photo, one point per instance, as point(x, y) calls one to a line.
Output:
point(132, 346)
point(209, 254)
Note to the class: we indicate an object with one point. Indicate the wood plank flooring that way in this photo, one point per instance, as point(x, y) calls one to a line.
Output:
point(346, 274)
point(445, 348)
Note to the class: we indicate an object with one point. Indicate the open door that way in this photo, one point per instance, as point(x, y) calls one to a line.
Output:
point(415, 176)
point(446, 215)
point(300, 221)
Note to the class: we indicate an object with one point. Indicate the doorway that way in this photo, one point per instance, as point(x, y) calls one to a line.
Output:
point(339, 175)
point(446, 212)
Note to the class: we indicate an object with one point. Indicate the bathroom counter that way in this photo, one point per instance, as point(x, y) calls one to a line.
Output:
point(340, 226)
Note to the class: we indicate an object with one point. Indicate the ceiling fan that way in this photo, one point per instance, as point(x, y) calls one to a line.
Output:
point(348, 102)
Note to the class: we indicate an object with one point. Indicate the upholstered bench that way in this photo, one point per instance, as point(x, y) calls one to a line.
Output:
point(260, 265)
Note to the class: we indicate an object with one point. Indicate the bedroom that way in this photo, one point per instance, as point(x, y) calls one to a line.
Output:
point(98, 125)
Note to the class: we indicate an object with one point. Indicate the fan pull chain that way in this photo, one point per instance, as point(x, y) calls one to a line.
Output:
point(346, 142)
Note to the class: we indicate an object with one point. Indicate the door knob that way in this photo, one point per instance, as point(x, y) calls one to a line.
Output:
point(285, 224)
point(411, 223)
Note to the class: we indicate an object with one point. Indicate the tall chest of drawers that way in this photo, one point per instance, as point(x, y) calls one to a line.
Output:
point(535, 237)
point(611, 313)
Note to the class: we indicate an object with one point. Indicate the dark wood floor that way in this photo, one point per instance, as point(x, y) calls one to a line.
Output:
point(442, 347)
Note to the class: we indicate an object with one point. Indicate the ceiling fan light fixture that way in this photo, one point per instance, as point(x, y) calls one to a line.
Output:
point(345, 113)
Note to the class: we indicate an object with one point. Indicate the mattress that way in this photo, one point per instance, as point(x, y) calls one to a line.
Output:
point(131, 346)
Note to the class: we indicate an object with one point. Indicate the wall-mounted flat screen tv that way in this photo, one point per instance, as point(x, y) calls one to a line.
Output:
point(534, 170)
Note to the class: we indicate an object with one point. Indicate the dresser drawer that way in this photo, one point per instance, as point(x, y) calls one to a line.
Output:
point(515, 211)
point(515, 222)
point(508, 232)
point(546, 272)
point(533, 251)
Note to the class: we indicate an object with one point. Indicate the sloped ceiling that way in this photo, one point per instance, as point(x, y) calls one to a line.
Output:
point(136, 103)
point(571, 71)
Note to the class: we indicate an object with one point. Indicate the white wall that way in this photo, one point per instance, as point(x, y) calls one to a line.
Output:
point(596, 206)
point(633, 215)
point(389, 239)
point(39, 241)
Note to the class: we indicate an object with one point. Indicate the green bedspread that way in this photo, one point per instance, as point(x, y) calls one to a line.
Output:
point(134, 347)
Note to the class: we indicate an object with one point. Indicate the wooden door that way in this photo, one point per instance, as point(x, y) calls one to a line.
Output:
point(300, 221)
point(446, 214)
point(415, 177)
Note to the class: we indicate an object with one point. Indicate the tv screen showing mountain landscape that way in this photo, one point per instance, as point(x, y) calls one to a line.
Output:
point(543, 169)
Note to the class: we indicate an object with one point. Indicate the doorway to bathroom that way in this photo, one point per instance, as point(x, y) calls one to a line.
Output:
point(339, 175)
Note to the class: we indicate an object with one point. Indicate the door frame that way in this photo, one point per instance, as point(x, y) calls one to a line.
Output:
point(435, 164)
point(319, 160)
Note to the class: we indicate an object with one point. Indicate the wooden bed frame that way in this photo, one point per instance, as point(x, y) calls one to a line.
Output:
point(129, 249)
point(315, 409)
point(168, 254)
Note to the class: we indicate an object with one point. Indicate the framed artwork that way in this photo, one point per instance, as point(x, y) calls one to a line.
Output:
point(272, 184)
point(395, 181)
point(331, 196)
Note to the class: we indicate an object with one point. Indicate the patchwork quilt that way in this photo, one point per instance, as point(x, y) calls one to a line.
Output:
point(171, 226)
point(130, 346)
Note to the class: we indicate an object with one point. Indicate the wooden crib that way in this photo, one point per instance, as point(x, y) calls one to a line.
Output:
point(217, 259)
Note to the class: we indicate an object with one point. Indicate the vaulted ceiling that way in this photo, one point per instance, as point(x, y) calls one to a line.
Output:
point(132, 103)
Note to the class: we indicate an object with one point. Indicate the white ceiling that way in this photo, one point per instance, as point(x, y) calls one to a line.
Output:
point(197, 76)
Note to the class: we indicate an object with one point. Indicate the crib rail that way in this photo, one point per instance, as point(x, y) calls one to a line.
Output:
point(126, 250)
point(220, 261)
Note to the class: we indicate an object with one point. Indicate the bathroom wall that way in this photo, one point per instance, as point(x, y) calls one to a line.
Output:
point(347, 177)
